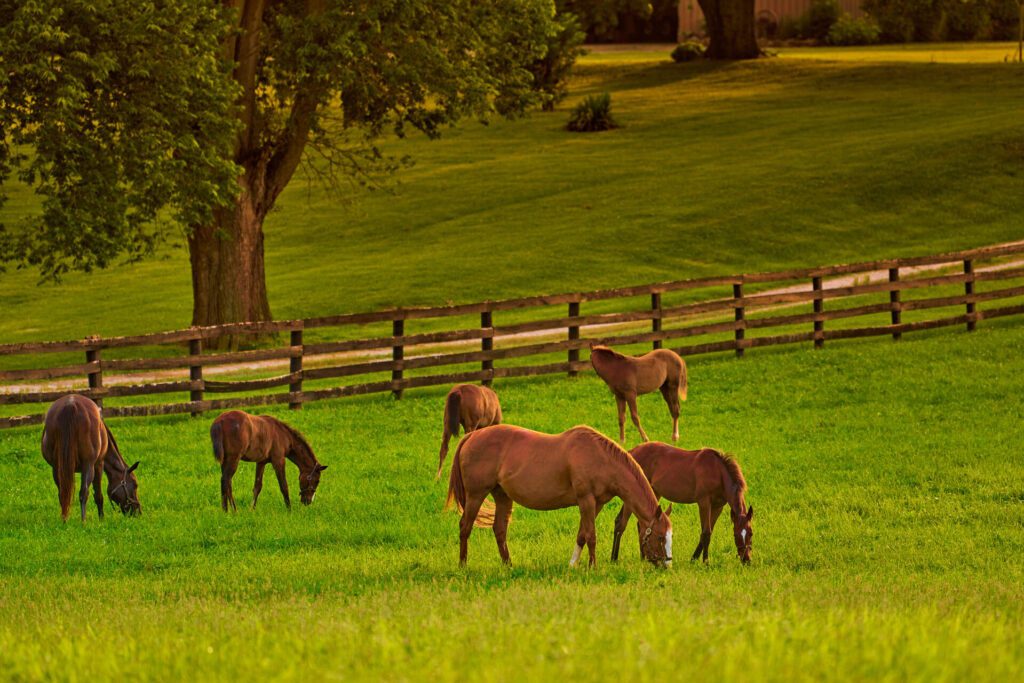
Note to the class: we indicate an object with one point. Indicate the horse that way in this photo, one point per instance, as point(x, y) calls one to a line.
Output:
point(579, 467)
point(629, 376)
point(75, 439)
point(707, 477)
point(262, 439)
point(471, 406)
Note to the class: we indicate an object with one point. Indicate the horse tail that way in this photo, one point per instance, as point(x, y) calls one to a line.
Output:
point(217, 437)
point(66, 456)
point(451, 427)
point(682, 379)
point(457, 491)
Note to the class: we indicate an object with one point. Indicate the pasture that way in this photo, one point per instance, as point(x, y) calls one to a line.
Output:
point(886, 476)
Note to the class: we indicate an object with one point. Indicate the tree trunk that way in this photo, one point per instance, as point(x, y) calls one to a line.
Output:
point(228, 283)
point(730, 29)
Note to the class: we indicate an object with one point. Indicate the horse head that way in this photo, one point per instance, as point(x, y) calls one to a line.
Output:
point(743, 534)
point(125, 493)
point(656, 539)
point(308, 481)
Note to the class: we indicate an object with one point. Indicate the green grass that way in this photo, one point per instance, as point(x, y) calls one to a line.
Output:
point(886, 479)
point(719, 168)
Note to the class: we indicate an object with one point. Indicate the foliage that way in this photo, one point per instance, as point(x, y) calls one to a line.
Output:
point(930, 20)
point(687, 52)
point(814, 23)
point(593, 114)
point(886, 478)
point(551, 72)
point(117, 112)
point(850, 31)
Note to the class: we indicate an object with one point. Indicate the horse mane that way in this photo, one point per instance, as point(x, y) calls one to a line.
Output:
point(733, 468)
point(600, 348)
point(614, 451)
point(297, 437)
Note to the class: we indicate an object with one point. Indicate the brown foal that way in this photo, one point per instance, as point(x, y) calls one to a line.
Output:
point(472, 407)
point(631, 376)
point(262, 439)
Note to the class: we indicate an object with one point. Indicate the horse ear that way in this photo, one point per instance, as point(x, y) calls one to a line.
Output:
point(592, 345)
point(668, 510)
point(132, 468)
point(750, 513)
point(321, 468)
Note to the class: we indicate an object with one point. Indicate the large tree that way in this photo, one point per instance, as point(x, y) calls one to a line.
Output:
point(731, 29)
point(131, 117)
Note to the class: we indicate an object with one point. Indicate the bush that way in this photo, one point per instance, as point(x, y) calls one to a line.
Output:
point(850, 31)
point(687, 52)
point(550, 72)
point(819, 17)
point(593, 114)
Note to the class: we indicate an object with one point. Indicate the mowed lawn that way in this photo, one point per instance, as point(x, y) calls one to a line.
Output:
point(813, 157)
point(886, 478)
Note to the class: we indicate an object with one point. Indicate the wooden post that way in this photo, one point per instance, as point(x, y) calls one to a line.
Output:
point(894, 301)
point(397, 353)
point(574, 333)
point(296, 366)
point(656, 321)
point(969, 290)
point(195, 372)
point(737, 293)
point(487, 344)
point(95, 378)
point(819, 325)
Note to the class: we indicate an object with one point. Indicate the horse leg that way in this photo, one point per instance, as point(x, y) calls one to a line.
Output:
point(466, 525)
point(258, 484)
point(227, 471)
point(671, 395)
point(705, 532)
point(620, 527)
point(97, 488)
point(282, 481)
point(631, 400)
point(587, 534)
point(83, 494)
point(502, 513)
point(622, 418)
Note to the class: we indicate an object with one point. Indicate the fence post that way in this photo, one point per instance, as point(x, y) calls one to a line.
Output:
point(819, 325)
point(95, 378)
point(969, 290)
point(737, 293)
point(487, 344)
point(397, 353)
point(574, 333)
point(656, 321)
point(894, 302)
point(295, 366)
point(195, 372)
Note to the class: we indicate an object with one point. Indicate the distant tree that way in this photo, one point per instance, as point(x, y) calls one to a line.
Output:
point(131, 118)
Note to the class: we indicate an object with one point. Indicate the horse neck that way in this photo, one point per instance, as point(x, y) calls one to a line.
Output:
point(732, 492)
point(299, 454)
point(639, 496)
point(113, 463)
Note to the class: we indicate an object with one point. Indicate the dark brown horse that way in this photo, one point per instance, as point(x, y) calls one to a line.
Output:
point(706, 477)
point(262, 439)
point(629, 376)
point(471, 406)
point(75, 439)
point(579, 467)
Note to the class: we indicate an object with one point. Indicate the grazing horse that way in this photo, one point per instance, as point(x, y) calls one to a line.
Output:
point(707, 477)
point(579, 467)
point(262, 439)
point(75, 439)
point(471, 406)
point(629, 376)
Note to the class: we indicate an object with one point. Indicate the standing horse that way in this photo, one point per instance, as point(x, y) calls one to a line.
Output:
point(629, 376)
point(707, 477)
point(262, 439)
point(579, 467)
point(75, 439)
point(471, 406)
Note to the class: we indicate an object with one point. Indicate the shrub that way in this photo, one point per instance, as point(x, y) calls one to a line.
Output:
point(549, 72)
point(819, 18)
point(850, 31)
point(687, 52)
point(789, 28)
point(593, 114)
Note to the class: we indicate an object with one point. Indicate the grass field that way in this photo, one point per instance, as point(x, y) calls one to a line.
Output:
point(886, 477)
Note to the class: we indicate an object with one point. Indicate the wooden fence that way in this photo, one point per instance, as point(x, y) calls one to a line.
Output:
point(724, 316)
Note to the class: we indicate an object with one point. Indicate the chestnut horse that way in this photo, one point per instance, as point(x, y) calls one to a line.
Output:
point(579, 467)
point(471, 406)
point(75, 439)
point(707, 477)
point(629, 376)
point(262, 439)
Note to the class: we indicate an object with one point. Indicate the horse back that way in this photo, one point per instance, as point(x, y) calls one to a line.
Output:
point(478, 406)
point(240, 434)
point(73, 423)
point(677, 474)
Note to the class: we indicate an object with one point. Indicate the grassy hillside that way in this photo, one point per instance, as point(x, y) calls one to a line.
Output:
point(719, 168)
point(886, 478)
